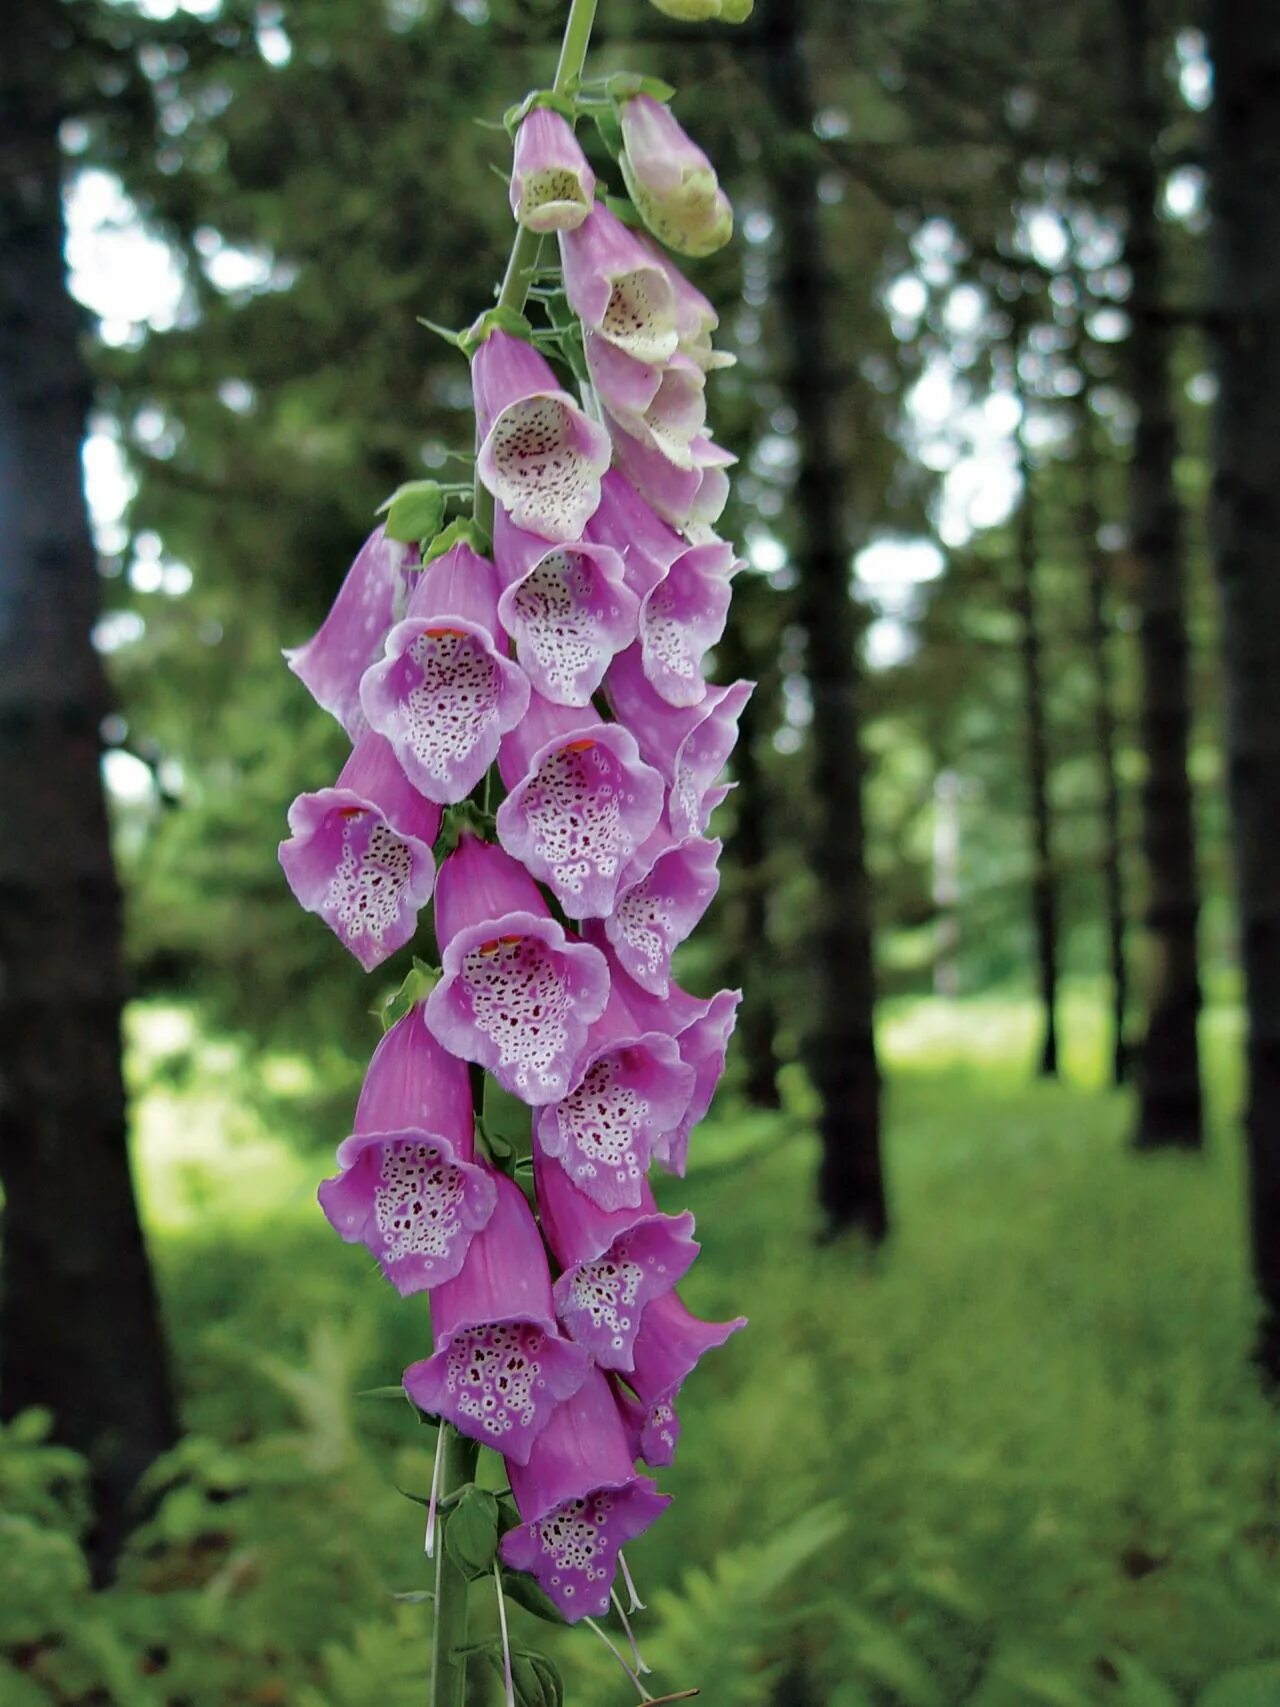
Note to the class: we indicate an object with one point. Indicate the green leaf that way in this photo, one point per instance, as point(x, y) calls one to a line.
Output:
point(1244, 1686)
point(526, 1593)
point(1138, 1686)
point(606, 122)
point(890, 1660)
point(506, 1120)
point(623, 208)
point(471, 1531)
point(415, 511)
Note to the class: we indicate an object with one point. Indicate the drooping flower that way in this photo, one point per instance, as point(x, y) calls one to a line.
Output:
point(539, 454)
point(663, 894)
point(671, 181)
point(614, 1262)
point(648, 545)
point(409, 1189)
point(580, 802)
point(332, 662)
point(359, 853)
point(700, 1026)
point(696, 317)
point(668, 1347)
point(692, 492)
point(518, 994)
point(446, 693)
point(567, 608)
point(552, 186)
point(617, 289)
point(688, 744)
point(683, 617)
point(500, 1367)
point(630, 1100)
point(665, 407)
point(581, 1500)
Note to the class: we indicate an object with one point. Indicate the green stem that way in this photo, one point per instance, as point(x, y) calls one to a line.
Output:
point(448, 1667)
point(523, 260)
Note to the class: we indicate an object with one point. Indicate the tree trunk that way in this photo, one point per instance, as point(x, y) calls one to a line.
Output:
point(79, 1329)
point(840, 1043)
point(1169, 1096)
point(1245, 43)
point(752, 962)
point(1044, 882)
point(1097, 565)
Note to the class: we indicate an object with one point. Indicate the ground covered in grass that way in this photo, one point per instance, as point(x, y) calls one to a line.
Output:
point(1016, 1458)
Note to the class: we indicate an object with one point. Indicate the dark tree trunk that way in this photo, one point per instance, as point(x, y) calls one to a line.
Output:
point(1245, 42)
point(1044, 881)
point(1097, 567)
point(79, 1329)
point(840, 1043)
point(1168, 1069)
point(753, 966)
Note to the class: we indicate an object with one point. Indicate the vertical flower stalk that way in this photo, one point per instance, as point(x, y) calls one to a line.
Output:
point(558, 642)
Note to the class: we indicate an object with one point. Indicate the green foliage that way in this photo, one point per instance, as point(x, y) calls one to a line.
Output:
point(1016, 1460)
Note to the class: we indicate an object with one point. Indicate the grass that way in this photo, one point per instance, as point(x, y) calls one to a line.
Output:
point(1016, 1458)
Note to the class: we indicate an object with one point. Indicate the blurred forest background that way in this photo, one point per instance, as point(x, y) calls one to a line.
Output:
point(999, 1434)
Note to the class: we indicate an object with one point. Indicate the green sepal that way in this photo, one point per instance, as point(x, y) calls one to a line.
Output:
point(418, 984)
point(623, 85)
point(415, 1596)
point(466, 531)
point(623, 208)
point(463, 816)
point(507, 1119)
point(606, 122)
point(500, 318)
point(526, 1593)
point(396, 1392)
point(471, 1532)
point(515, 115)
point(415, 511)
point(450, 337)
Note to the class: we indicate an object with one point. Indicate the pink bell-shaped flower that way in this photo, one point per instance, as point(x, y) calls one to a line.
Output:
point(581, 1501)
point(580, 802)
point(617, 289)
point(671, 181)
point(689, 744)
point(360, 853)
point(700, 1027)
point(446, 692)
point(647, 544)
point(500, 1367)
point(670, 1344)
point(552, 186)
point(691, 492)
point(683, 617)
point(632, 1096)
point(664, 407)
point(409, 1189)
point(518, 994)
point(539, 455)
point(663, 894)
point(332, 662)
point(567, 608)
point(615, 1263)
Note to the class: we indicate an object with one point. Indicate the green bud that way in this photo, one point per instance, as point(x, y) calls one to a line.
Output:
point(736, 11)
point(689, 11)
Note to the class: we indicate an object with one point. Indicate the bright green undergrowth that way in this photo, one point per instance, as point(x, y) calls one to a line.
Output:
point(1017, 1458)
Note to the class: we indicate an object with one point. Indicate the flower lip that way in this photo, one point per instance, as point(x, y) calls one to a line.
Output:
point(443, 696)
point(517, 997)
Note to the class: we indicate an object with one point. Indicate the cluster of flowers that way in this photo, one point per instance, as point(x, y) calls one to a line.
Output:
point(606, 583)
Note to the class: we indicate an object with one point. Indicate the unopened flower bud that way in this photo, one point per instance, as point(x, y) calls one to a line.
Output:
point(699, 11)
point(671, 181)
point(552, 186)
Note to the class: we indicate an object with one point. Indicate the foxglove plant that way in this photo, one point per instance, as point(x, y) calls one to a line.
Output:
point(536, 754)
